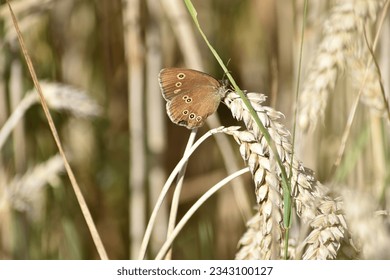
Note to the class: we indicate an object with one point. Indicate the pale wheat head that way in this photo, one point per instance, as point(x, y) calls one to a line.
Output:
point(342, 39)
point(25, 193)
point(311, 202)
point(65, 97)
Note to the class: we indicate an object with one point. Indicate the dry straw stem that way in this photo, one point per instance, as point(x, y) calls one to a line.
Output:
point(24, 7)
point(310, 200)
point(137, 158)
point(342, 37)
point(184, 32)
point(156, 129)
point(80, 198)
point(30, 13)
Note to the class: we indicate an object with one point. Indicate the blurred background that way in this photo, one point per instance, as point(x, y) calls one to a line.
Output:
point(105, 55)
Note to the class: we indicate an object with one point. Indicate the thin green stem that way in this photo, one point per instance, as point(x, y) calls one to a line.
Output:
point(285, 182)
point(295, 120)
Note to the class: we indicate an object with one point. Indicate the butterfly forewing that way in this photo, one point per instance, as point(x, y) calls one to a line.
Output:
point(189, 79)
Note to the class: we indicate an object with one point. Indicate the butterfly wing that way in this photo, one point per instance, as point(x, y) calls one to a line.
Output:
point(191, 95)
point(192, 115)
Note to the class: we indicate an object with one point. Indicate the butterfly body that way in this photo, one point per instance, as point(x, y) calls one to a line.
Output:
point(191, 95)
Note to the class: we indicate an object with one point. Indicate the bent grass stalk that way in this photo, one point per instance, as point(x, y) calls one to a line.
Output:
point(179, 185)
point(194, 208)
point(168, 183)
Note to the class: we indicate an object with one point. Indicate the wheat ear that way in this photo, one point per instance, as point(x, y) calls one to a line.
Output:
point(58, 97)
point(250, 242)
point(310, 200)
point(342, 38)
point(25, 193)
point(65, 97)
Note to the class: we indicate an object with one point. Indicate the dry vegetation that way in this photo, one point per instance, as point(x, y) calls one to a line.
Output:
point(98, 62)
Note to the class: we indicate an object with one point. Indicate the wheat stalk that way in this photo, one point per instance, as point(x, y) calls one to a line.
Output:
point(310, 200)
point(342, 39)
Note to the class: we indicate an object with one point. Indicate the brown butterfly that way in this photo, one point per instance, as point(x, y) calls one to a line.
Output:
point(191, 95)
